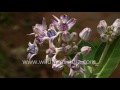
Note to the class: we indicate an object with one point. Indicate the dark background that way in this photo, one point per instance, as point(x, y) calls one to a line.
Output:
point(13, 40)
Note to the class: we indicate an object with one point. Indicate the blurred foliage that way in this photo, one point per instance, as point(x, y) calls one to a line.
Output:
point(5, 18)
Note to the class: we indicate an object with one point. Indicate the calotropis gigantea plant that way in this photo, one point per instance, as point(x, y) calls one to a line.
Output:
point(81, 59)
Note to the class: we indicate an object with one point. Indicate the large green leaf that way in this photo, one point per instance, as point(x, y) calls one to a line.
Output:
point(99, 51)
point(111, 60)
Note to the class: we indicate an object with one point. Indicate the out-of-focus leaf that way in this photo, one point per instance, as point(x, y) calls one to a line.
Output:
point(113, 59)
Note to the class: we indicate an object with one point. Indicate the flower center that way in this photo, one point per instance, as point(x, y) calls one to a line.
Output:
point(31, 49)
point(63, 26)
point(75, 66)
point(51, 33)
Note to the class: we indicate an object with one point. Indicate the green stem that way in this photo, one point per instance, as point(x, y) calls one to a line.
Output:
point(104, 53)
point(85, 76)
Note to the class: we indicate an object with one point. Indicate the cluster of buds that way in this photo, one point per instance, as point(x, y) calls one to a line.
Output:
point(68, 43)
point(108, 33)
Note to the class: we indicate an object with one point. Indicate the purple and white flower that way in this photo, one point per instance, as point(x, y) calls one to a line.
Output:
point(52, 51)
point(32, 50)
point(75, 65)
point(64, 23)
point(41, 33)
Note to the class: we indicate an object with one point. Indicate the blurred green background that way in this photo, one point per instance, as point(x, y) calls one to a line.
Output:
point(13, 40)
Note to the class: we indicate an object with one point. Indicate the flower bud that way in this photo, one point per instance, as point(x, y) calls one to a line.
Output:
point(117, 30)
point(74, 36)
point(51, 52)
point(85, 34)
point(101, 28)
point(116, 23)
point(68, 49)
point(75, 47)
point(113, 35)
point(66, 36)
point(104, 37)
point(85, 50)
point(57, 65)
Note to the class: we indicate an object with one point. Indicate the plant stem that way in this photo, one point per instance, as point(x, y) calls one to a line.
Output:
point(104, 53)
point(79, 42)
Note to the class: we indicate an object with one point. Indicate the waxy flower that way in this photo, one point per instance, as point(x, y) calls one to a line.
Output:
point(41, 33)
point(52, 50)
point(64, 23)
point(85, 34)
point(102, 27)
point(85, 50)
point(75, 65)
point(32, 50)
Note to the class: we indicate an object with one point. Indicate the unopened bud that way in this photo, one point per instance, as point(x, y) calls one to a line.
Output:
point(101, 28)
point(66, 36)
point(117, 30)
point(85, 34)
point(104, 37)
point(110, 40)
point(85, 50)
point(75, 47)
point(68, 49)
point(74, 36)
point(116, 23)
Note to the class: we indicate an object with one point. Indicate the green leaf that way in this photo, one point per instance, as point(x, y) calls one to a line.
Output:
point(99, 51)
point(65, 73)
point(111, 60)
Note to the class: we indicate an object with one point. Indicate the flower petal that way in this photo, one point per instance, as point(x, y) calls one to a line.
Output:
point(47, 59)
point(116, 23)
point(75, 59)
point(37, 28)
point(29, 56)
point(44, 24)
point(51, 26)
point(81, 70)
point(68, 63)
point(31, 34)
point(71, 24)
point(64, 18)
point(71, 74)
point(56, 18)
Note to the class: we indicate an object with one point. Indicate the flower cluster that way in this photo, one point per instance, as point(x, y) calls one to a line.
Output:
point(108, 33)
point(67, 42)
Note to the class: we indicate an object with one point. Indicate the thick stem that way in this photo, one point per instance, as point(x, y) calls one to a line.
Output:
point(104, 53)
